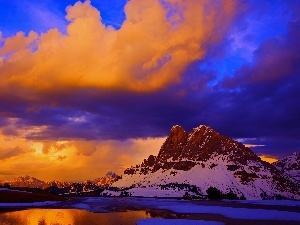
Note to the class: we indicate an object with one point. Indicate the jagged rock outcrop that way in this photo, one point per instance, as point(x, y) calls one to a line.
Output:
point(107, 180)
point(174, 145)
point(205, 158)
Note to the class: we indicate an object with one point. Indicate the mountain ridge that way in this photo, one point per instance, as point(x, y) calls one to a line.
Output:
point(66, 187)
point(190, 164)
point(204, 158)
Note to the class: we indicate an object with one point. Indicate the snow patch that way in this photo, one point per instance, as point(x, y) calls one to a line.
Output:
point(269, 202)
point(158, 221)
point(81, 206)
point(235, 213)
point(30, 204)
point(211, 173)
point(7, 189)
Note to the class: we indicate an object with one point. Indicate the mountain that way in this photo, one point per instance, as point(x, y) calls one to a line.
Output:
point(191, 163)
point(64, 187)
point(107, 180)
point(290, 166)
point(32, 182)
point(26, 181)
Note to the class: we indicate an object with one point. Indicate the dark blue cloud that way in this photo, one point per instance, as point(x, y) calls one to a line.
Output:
point(254, 96)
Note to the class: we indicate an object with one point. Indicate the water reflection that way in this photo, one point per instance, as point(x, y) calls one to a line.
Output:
point(69, 217)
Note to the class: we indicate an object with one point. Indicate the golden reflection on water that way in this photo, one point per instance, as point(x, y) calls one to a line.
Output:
point(69, 217)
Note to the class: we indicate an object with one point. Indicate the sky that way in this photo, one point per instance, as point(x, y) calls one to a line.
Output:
point(88, 87)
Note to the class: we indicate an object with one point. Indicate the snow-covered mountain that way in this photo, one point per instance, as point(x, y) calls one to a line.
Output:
point(64, 187)
point(290, 166)
point(191, 163)
point(26, 181)
point(32, 182)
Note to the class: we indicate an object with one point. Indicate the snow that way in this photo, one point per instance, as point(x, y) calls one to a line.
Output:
point(269, 202)
point(235, 213)
point(203, 175)
point(158, 221)
point(95, 199)
point(7, 189)
point(218, 176)
point(193, 207)
point(29, 204)
point(81, 206)
point(178, 206)
point(156, 191)
point(290, 166)
point(175, 126)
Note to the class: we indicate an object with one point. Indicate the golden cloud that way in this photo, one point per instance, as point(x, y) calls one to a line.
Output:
point(268, 158)
point(71, 160)
point(154, 45)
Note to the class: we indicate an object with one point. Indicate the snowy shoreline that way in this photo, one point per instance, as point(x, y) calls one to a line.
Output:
point(280, 210)
point(27, 204)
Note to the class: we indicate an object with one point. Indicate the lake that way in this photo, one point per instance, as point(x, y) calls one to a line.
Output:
point(145, 211)
point(70, 216)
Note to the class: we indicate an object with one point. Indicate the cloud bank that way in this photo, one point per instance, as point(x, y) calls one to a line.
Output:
point(154, 45)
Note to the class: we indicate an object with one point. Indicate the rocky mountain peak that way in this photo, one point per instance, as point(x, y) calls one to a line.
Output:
point(111, 174)
point(108, 179)
point(182, 150)
point(177, 134)
point(174, 144)
point(204, 158)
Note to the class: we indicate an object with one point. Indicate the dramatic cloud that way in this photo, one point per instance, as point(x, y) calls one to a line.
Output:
point(154, 45)
point(87, 98)
point(275, 59)
point(73, 160)
point(10, 152)
point(260, 100)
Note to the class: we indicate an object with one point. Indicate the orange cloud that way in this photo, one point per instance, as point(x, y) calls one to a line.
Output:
point(54, 147)
point(150, 51)
point(10, 152)
point(152, 48)
point(269, 159)
point(71, 160)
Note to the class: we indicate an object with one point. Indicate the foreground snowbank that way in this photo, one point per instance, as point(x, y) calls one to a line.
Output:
point(236, 213)
point(269, 202)
point(157, 221)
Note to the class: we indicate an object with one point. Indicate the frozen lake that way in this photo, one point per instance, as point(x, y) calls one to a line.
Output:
point(143, 211)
